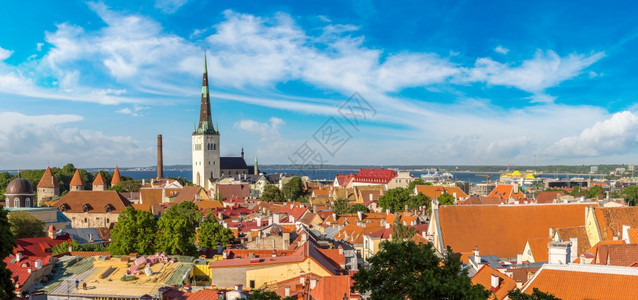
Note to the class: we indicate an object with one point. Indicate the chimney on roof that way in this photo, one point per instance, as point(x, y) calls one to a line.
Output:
point(551, 232)
point(160, 161)
point(18, 256)
point(258, 219)
point(495, 281)
point(574, 249)
point(519, 259)
point(360, 215)
point(559, 252)
point(515, 188)
point(477, 257)
point(275, 218)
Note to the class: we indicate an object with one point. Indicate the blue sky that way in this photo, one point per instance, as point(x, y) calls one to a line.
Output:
point(464, 83)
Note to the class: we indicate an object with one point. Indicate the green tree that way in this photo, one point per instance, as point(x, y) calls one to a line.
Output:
point(272, 194)
point(267, 295)
point(401, 233)
point(398, 198)
point(293, 189)
point(340, 206)
point(516, 294)
point(134, 232)
point(6, 248)
point(354, 208)
point(405, 269)
point(24, 225)
point(446, 199)
point(418, 181)
point(595, 191)
point(176, 229)
point(211, 233)
point(576, 191)
point(630, 194)
point(64, 247)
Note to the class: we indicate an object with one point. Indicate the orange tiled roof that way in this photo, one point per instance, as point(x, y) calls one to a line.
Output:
point(578, 232)
point(505, 192)
point(77, 179)
point(332, 288)
point(116, 176)
point(151, 196)
point(48, 180)
point(94, 201)
point(617, 255)
point(633, 235)
point(99, 180)
point(484, 278)
point(539, 248)
point(548, 196)
point(188, 193)
point(435, 191)
point(576, 281)
point(208, 204)
point(503, 230)
point(611, 220)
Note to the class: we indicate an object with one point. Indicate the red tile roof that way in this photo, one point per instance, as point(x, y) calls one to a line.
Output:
point(548, 196)
point(378, 176)
point(38, 246)
point(503, 230)
point(343, 179)
point(617, 255)
point(77, 179)
point(93, 201)
point(239, 190)
point(48, 180)
point(20, 269)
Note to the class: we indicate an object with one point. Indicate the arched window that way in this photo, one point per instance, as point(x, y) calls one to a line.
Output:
point(16, 202)
point(27, 202)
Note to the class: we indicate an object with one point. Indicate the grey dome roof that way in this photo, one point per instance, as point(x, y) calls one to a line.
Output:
point(19, 186)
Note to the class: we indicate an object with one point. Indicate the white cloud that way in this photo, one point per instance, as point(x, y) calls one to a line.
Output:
point(502, 50)
point(546, 69)
point(4, 53)
point(39, 46)
point(266, 130)
point(135, 111)
point(169, 6)
point(614, 136)
point(35, 140)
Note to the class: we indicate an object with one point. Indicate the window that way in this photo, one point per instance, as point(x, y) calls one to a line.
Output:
point(86, 220)
point(27, 202)
point(16, 202)
point(252, 284)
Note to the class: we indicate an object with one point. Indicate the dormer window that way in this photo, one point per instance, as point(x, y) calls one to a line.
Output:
point(86, 207)
point(63, 207)
point(108, 207)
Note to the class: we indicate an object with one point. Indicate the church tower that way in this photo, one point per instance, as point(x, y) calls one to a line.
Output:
point(206, 161)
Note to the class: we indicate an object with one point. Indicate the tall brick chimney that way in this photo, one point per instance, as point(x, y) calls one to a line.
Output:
point(160, 161)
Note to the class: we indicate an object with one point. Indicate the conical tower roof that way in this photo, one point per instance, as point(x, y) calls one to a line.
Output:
point(48, 180)
point(77, 179)
point(116, 176)
point(99, 180)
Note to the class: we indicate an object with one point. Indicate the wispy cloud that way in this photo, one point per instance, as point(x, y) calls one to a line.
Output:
point(169, 6)
point(4, 53)
point(36, 140)
point(502, 50)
